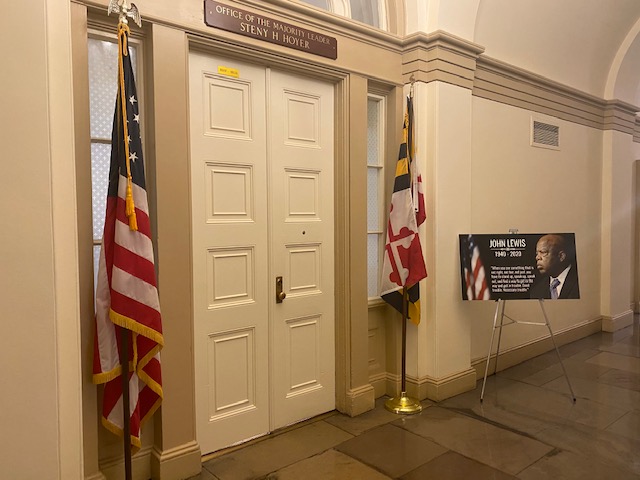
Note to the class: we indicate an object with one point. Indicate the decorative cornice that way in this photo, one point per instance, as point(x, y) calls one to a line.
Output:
point(504, 83)
point(636, 131)
point(620, 116)
point(439, 56)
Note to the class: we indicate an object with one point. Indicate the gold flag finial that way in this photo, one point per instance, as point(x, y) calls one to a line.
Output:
point(124, 9)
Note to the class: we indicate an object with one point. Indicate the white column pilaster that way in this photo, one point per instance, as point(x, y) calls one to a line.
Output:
point(438, 350)
point(617, 230)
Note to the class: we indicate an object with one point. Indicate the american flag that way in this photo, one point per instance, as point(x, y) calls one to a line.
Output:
point(403, 264)
point(126, 294)
point(474, 277)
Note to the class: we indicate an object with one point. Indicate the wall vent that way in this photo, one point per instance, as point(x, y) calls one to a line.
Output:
point(545, 135)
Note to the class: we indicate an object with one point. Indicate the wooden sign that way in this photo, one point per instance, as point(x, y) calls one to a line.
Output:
point(249, 24)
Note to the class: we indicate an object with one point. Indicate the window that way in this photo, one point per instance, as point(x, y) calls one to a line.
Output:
point(375, 192)
point(366, 11)
point(103, 88)
point(324, 4)
point(370, 12)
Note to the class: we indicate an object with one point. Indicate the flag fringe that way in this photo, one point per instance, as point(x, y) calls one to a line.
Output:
point(104, 377)
point(136, 327)
point(116, 430)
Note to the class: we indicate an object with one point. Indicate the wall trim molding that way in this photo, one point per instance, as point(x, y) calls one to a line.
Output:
point(360, 400)
point(431, 388)
point(176, 463)
point(438, 389)
point(617, 322)
point(498, 81)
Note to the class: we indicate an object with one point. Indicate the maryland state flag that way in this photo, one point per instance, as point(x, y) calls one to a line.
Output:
point(126, 294)
point(403, 264)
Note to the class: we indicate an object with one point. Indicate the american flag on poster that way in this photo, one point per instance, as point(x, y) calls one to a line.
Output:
point(403, 263)
point(474, 276)
point(126, 292)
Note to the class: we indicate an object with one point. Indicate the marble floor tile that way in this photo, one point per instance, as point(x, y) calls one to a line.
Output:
point(277, 452)
point(551, 406)
point(392, 450)
point(619, 362)
point(476, 439)
point(623, 349)
point(628, 426)
point(361, 423)
point(560, 465)
point(607, 447)
point(581, 369)
point(204, 475)
point(453, 466)
point(597, 391)
point(538, 378)
point(330, 465)
point(621, 379)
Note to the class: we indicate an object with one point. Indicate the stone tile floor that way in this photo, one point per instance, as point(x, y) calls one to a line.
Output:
point(527, 427)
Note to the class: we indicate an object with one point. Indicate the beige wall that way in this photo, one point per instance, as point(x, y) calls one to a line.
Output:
point(28, 297)
point(535, 190)
point(40, 406)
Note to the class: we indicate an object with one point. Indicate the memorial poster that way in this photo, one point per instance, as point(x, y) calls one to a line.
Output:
point(518, 266)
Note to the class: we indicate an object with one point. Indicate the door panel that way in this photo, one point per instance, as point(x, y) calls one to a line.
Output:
point(229, 212)
point(301, 158)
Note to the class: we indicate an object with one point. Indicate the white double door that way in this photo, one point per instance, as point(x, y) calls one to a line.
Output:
point(262, 208)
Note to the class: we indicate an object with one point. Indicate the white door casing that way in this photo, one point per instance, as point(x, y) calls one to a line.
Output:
point(262, 206)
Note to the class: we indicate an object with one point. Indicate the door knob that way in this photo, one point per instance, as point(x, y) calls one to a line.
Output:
point(280, 295)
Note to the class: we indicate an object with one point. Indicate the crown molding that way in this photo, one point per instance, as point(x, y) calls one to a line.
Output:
point(498, 81)
point(439, 56)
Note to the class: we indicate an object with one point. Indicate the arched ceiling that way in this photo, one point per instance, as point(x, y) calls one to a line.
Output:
point(590, 45)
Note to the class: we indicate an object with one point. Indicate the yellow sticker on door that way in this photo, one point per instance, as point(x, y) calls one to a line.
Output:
point(229, 72)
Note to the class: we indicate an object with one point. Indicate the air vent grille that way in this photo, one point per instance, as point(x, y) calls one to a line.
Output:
point(545, 135)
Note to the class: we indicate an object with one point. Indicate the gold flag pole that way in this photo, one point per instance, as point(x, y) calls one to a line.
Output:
point(404, 404)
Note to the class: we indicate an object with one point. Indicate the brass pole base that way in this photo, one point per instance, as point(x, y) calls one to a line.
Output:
point(403, 404)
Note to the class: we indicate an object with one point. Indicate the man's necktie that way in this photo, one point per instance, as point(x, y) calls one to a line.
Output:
point(553, 287)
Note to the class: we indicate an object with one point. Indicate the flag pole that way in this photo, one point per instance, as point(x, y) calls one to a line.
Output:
point(124, 9)
point(404, 404)
point(126, 412)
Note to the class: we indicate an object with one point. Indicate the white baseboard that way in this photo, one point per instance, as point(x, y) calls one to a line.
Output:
point(360, 400)
point(176, 463)
point(613, 324)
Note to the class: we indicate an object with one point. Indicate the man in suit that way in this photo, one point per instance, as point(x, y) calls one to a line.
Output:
point(555, 260)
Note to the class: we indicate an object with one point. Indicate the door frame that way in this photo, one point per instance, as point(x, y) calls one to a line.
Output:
point(348, 400)
point(169, 149)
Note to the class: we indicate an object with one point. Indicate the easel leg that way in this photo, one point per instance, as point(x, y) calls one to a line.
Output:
point(493, 332)
point(573, 395)
point(495, 365)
